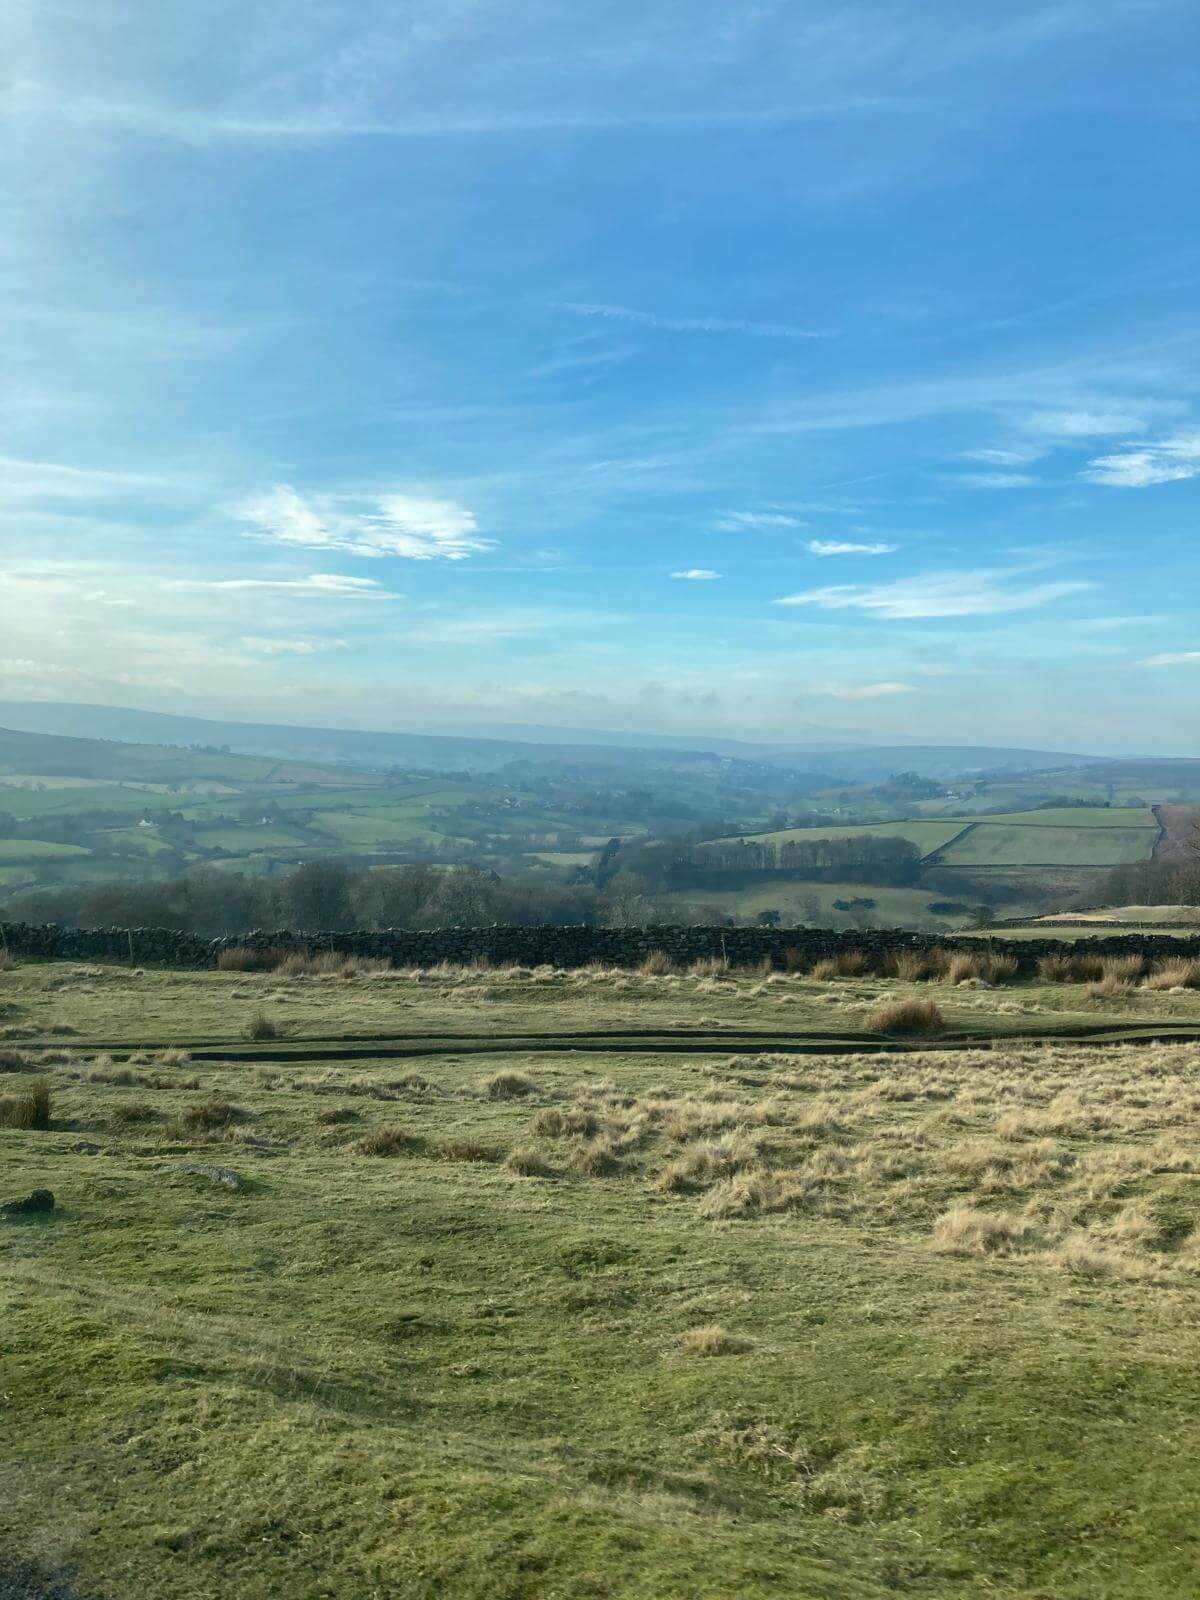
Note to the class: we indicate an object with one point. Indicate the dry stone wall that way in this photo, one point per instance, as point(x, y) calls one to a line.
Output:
point(556, 946)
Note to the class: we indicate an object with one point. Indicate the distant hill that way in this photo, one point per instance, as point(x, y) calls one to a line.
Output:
point(850, 762)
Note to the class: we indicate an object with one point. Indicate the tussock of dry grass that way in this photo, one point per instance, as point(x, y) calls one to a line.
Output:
point(916, 1015)
point(508, 1086)
point(242, 958)
point(846, 964)
point(657, 964)
point(597, 1159)
point(965, 1230)
point(204, 1116)
point(713, 1340)
point(1081, 1255)
point(466, 1150)
point(757, 1192)
point(709, 967)
point(1056, 969)
point(300, 963)
point(1122, 969)
point(130, 1112)
point(909, 966)
point(336, 1116)
point(102, 1070)
point(1182, 974)
point(1109, 987)
point(27, 1108)
point(260, 1028)
point(705, 1164)
point(390, 1140)
point(556, 1123)
point(527, 1162)
point(965, 966)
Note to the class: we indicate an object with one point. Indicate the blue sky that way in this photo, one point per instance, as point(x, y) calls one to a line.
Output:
point(765, 369)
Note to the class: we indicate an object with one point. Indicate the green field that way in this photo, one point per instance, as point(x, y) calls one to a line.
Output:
point(1055, 839)
point(1077, 817)
point(251, 837)
point(927, 835)
point(1036, 838)
point(631, 1324)
point(374, 828)
point(34, 850)
point(814, 903)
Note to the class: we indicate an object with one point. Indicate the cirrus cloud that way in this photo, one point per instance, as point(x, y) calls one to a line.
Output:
point(994, 480)
point(415, 527)
point(739, 521)
point(290, 647)
point(870, 691)
point(1171, 658)
point(846, 547)
point(328, 584)
point(1171, 460)
point(982, 592)
point(697, 574)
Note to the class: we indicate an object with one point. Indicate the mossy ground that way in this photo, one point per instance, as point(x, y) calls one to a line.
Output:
point(430, 1374)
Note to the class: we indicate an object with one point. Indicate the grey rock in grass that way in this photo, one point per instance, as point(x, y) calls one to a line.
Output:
point(39, 1200)
point(222, 1175)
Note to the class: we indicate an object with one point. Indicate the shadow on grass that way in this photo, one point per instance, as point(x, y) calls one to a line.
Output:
point(32, 1580)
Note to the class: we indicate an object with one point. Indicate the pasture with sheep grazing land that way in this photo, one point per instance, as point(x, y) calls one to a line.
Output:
point(660, 1283)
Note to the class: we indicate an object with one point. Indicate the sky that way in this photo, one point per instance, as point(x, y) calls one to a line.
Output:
point(776, 370)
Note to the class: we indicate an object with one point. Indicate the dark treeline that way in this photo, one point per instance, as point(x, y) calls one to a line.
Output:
point(319, 896)
point(1173, 882)
point(864, 858)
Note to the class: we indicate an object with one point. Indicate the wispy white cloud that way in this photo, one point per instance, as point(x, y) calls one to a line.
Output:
point(993, 480)
point(412, 526)
point(586, 362)
point(1039, 402)
point(1006, 456)
point(983, 592)
point(1170, 460)
point(1068, 424)
point(870, 691)
point(1171, 658)
point(290, 647)
point(670, 324)
point(740, 521)
point(320, 584)
point(1108, 624)
point(492, 627)
point(847, 547)
point(38, 480)
point(697, 573)
point(202, 125)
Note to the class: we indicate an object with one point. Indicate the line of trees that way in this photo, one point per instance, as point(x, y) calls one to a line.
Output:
point(318, 896)
point(1173, 882)
point(861, 858)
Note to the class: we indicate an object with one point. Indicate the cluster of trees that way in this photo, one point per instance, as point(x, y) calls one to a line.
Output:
point(862, 858)
point(1173, 882)
point(1168, 880)
point(319, 896)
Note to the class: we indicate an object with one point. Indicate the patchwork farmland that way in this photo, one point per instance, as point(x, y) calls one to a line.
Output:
point(1070, 836)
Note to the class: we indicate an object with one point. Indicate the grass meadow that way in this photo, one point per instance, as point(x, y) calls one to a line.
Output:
point(628, 1322)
